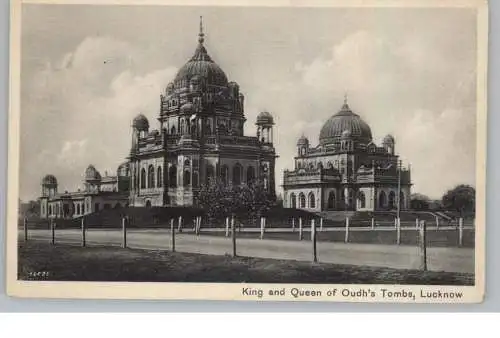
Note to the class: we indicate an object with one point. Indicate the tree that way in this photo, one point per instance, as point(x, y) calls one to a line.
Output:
point(419, 202)
point(245, 201)
point(462, 198)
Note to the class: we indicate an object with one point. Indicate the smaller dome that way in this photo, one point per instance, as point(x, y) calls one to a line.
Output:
point(388, 139)
point(187, 108)
point(91, 174)
point(265, 118)
point(123, 169)
point(49, 180)
point(302, 141)
point(346, 133)
point(141, 122)
point(170, 88)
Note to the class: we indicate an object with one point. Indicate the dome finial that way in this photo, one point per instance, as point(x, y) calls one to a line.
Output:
point(345, 106)
point(201, 35)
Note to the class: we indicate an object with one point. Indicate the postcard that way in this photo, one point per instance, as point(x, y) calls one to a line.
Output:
point(274, 151)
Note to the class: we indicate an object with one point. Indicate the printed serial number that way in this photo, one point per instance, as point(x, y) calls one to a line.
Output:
point(38, 274)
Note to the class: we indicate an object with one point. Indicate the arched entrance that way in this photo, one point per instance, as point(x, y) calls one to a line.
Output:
point(331, 200)
point(382, 200)
point(392, 200)
point(148, 204)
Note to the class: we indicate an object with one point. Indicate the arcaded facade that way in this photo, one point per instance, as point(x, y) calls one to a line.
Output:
point(99, 192)
point(346, 171)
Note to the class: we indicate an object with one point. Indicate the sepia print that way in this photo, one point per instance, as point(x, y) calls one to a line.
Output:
point(332, 151)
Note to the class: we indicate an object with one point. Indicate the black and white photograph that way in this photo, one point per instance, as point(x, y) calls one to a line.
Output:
point(327, 151)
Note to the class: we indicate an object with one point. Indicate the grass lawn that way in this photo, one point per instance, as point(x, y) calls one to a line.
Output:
point(72, 263)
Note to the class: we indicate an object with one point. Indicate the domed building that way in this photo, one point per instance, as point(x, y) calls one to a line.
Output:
point(99, 192)
point(346, 171)
point(200, 136)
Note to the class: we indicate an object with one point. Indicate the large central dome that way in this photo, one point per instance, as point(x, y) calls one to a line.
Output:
point(345, 120)
point(201, 67)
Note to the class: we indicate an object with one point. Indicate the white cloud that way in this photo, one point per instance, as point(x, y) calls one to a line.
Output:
point(88, 109)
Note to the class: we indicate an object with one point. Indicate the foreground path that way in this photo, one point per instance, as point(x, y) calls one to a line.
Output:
point(392, 256)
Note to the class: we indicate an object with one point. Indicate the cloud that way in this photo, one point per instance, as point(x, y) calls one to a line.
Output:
point(407, 90)
point(89, 99)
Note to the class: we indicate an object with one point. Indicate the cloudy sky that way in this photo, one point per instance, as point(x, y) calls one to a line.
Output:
point(88, 70)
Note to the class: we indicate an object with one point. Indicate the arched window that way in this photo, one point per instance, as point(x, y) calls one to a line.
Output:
point(302, 200)
point(362, 200)
point(382, 199)
point(331, 200)
point(143, 178)
point(293, 201)
point(187, 178)
point(312, 201)
point(392, 200)
point(148, 204)
point(251, 175)
point(77, 209)
point(195, 179)
point(159, 177)
point(351, 198)
point(210, 172)
point(181, 129)
point(401, 200)
point(172, 176)
point(224, 174)
point(151, 176)
point(237, 174)
point(172, 130)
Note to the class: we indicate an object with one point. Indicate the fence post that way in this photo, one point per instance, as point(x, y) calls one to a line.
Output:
point(233, 235)
point(416, 223)
point(227, 226)
point(395, 222)
point(346, 239)
point(195, 224)
point(124, 232)
point(198, 229)
point(293, 224)
point(460, 231)
point(84, 239)
point(300, 229)
point(313, 238)
point(398, 232)
point(179, 228)
point(262, 226)
point(437, 223)
point(373, 223)
point(321, 224)
point(423, 247)
point(172, 234)
point(25, 227)
point(53, 230)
